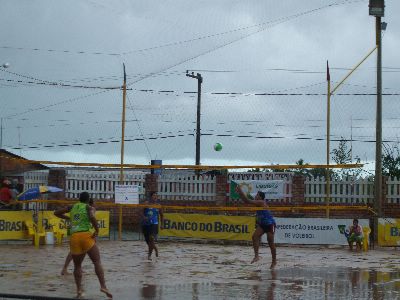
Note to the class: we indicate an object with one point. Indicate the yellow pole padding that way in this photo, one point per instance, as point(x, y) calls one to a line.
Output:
point(193, 167)
point(214, 208)
point(366, 232)
point(121, 176)
point(120, 223)
point(328, 150)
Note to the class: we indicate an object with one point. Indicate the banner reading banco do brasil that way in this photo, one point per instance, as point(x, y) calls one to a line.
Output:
point(273, 189)
point(220, 227)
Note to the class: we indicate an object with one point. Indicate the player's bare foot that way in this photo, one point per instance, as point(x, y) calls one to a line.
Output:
point(256, 258)
point(79, 294)
point(65, 272)
point(105, 291)
point(156, 252)
point(273, 264)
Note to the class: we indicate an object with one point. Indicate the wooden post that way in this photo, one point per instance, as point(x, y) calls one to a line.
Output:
point(121, 177)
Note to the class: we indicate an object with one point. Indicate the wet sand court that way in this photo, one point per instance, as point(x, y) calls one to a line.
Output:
point(204, 271)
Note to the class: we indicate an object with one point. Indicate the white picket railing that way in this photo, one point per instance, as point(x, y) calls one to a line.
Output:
point(34, 179)
point(99, 184)
point(393, 190)
point(187, 187)
point(285, 176)
point(348, 191)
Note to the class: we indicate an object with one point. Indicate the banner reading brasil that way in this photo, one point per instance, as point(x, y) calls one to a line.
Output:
point(12, 223)
point(389, 232)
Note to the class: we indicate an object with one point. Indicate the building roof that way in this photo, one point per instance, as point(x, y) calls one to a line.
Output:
point(13, 164)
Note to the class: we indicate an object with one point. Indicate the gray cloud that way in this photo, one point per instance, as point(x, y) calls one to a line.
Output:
point(158, 41)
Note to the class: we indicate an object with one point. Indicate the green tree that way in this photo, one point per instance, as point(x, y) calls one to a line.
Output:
point(310, 172)
point(301, 171)
point(391, 161)
point(254, 170)
point(343, 155)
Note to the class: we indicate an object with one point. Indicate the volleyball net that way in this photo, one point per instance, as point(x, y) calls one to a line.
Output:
point(199, 194)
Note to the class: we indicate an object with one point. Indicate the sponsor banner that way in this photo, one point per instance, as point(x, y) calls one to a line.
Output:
point(388, 232)
point(12, 225)
point(316, 231)
point(221, 227)
point(127, 194)
point(273, 189)
point(102, 217)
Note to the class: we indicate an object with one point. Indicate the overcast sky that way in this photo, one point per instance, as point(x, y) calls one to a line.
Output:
point(242, 47)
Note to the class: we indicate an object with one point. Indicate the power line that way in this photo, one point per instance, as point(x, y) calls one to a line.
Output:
point(60, 51)
point(139, 127)
point(116, 140)
point(183, 61)
point(56, 84)
point(263, 24)
point(51, 83)
point(55, 104)
point(169, 91)
point(68, 124)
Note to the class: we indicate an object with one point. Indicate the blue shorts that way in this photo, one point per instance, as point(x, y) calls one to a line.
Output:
point(150, 231)
point(267, 228)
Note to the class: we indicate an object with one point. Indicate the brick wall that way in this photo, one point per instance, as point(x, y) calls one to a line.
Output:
point(151, 184)
point(57, 178)
point(222, 188)
point(11, 164)
point(131, 215)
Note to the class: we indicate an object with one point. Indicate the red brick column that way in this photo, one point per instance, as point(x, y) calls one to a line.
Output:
point(57, 178)
point(151, 184)
point(391, 210)
point(298, 190)
point(221, 190)
point(384, 190)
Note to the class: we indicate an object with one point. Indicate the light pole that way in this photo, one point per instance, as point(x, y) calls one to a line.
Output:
point(377, 9)
point(5, 66)
point(121, 176)
point(198, 133)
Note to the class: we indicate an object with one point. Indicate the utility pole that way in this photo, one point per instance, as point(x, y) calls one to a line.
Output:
point(198, 133)
point(1, 133)
point(1, 147)
point(5, 66)
point(328, 138)
point(121, 175)
point(377, 9)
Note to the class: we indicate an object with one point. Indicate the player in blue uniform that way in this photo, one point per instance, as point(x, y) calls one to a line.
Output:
point(265, 223)
point(150, 219)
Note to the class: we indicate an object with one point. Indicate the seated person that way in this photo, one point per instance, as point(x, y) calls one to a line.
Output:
point(355, 235)
point(5, 194)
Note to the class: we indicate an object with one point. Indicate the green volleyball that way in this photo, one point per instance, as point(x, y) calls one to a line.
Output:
point(218, 147)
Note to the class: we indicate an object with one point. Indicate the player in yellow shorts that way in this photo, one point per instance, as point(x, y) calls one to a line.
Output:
point(83, 241)
point(68, 259)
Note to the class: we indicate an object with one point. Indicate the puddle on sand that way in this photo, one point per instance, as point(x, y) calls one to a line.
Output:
point(200, 271)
